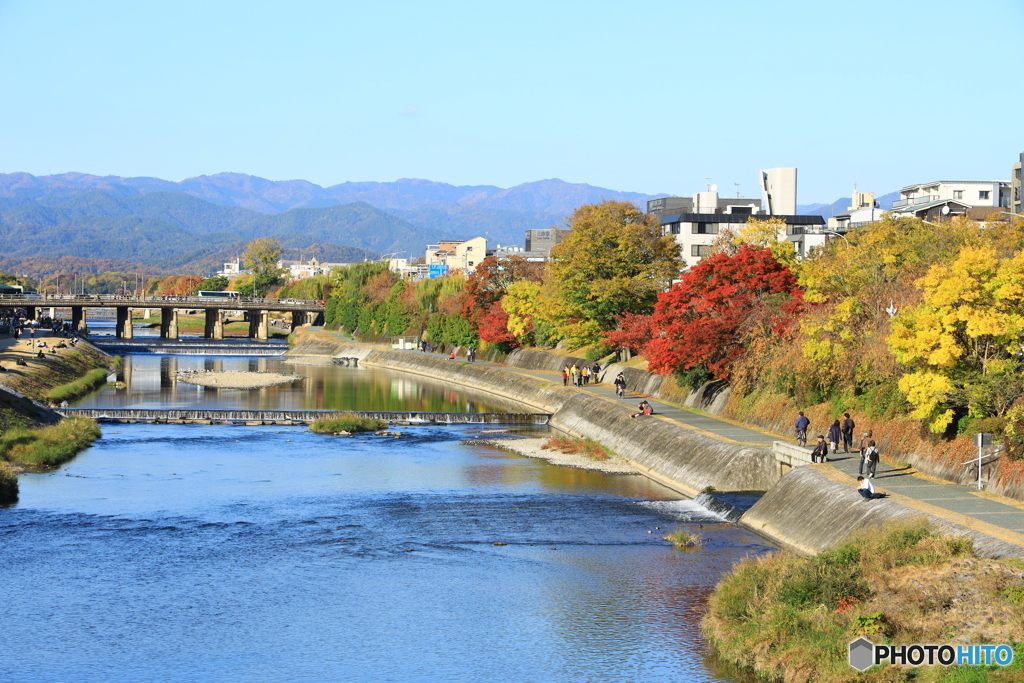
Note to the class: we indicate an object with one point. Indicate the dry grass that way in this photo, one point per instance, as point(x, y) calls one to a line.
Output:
point(585, 447)
point(791, 617)
point(685, 539)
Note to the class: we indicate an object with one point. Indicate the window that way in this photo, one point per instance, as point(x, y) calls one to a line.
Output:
point(675, 228)
point(983, 194)
point(704, 228)
point(958, 194)
point(700, 250)
point(470, 263)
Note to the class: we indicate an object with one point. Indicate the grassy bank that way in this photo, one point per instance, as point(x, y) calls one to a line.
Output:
point(47, 447)
point(43, 375)
point(791, 617)
point(8, 484)
point(574, 446)
point(79, 387)
point(347, 423)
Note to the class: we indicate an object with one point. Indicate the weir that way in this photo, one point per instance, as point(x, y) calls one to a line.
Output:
point(193, 347)
point(299, 416)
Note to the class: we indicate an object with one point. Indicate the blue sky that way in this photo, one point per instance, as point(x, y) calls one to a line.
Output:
point(641, 96)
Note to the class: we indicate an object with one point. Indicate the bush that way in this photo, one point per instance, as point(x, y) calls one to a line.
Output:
point(48, 446)
point(350, 423)
point(8, 484)
point(586, 447)
point(78, 388)
point(681, 538)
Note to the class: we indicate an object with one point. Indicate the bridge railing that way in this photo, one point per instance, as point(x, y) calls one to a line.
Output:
point(156, 301)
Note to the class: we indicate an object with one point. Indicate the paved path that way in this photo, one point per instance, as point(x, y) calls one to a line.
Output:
point(990, 513)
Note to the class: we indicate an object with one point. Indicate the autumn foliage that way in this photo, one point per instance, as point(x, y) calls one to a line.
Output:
point(704, 318)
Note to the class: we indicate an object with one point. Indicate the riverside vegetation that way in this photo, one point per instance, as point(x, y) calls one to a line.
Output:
point(791, 618)
point(350, 423)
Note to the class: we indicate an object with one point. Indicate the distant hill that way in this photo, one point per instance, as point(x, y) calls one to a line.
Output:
point(842, 204)
point(502, 214)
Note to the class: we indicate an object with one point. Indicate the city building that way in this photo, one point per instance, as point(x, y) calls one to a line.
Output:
point(944, 198)
point(450, 255)
point(232, 269)
point(543, 241)
point(863, 209)
point(297, 270)
point(1016, 201)
point(696, 222)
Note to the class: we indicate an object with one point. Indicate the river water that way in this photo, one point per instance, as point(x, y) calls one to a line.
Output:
point(218, 553)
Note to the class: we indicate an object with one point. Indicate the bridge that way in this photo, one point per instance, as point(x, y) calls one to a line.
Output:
point(257, 311)
point(292, 417)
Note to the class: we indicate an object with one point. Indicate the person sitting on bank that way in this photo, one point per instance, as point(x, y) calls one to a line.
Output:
point(820, 450)
point(644, 409)
point(866, 489)
point(40, 354)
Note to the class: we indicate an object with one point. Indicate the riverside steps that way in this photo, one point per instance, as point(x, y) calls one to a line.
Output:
point(291, 417)
point(807, 508)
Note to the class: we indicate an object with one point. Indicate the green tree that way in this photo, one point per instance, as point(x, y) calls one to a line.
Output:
point(260, 257)
point(217, 283)
point(615, 260)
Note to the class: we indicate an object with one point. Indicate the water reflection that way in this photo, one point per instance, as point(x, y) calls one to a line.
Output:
point(149, 382)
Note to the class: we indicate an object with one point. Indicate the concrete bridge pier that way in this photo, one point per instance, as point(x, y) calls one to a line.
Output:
point(300, 318)
point(259, 325)
point(124, 323)
point(30, 312)
point(78, 319)
point(214, 324)
point(168, 323)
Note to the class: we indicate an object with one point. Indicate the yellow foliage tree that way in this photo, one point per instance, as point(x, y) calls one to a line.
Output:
point(771, 233)
point(963, 339)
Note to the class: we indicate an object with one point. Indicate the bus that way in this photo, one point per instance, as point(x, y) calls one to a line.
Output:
point(227, 296)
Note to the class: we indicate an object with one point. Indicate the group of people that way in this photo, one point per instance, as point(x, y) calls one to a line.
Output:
point(841, 431)
point(581, 376)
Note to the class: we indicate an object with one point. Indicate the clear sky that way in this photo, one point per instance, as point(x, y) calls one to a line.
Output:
point(641, 96)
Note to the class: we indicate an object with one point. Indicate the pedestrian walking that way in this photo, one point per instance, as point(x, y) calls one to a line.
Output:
point(863, 447)
point(848, 426)
point(834, 435)
point(802, 423)
point(585, 373)
point(872, 458)
point(575, 372)
point(820, 450)
point(565, 375)
point(595, 372)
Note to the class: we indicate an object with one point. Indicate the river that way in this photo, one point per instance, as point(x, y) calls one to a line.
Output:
point(219, 553)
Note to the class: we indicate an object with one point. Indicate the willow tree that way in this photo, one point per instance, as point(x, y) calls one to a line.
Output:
point(614, 260)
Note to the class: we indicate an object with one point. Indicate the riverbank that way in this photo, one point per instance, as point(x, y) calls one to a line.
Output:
point(686, 459)
point(533, 447)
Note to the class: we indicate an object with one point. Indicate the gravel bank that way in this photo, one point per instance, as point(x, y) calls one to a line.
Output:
point(530, 447)
point(235, 380)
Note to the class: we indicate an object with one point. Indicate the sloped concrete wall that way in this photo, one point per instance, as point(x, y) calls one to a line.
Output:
point(809, 512)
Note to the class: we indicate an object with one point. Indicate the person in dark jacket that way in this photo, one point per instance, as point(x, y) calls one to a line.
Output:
point(848, 426)
point(820, 450)
point(834, 435)
point(802, 423)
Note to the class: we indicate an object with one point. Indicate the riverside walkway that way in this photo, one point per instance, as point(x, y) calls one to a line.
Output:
point(988, 513)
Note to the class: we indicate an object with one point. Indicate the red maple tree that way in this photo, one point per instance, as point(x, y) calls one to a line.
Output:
point(703, 319)
point(632, 331)
point(494, 326)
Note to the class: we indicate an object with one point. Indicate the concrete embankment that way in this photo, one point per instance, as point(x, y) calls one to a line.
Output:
point(808, 509)
point(681, 458)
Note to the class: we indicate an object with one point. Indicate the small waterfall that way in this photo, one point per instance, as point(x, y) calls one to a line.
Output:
point(302, 416)
point(728, 505)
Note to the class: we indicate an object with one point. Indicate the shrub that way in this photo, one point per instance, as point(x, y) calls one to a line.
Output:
point(48, 446)
point(347, 422)
point(8, 484)
point(585, 447)
point(78, 388)
point(682, 538)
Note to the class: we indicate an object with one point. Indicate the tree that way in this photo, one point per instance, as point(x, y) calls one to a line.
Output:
point(260, 257)
point(963, 339)
point(615, 260)
point(703, 319)
point(494, 327)
point(633, 332)
point(217, 283)
point(486, 285)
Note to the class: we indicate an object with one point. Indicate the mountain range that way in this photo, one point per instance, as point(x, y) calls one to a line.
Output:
point(195, 224)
